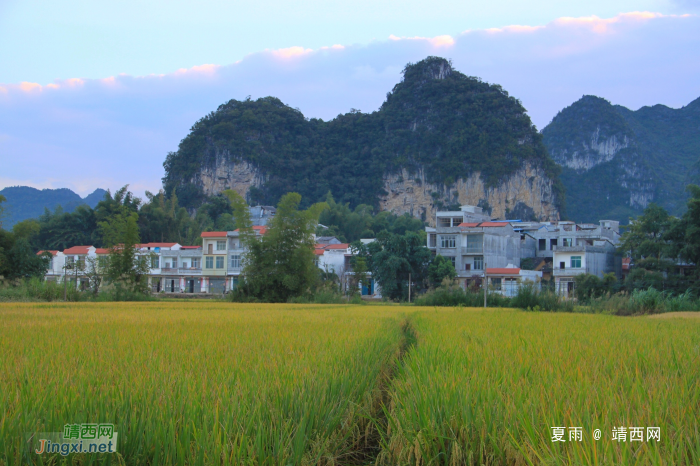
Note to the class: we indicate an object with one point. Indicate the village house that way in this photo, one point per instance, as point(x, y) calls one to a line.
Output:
point(559, 250)
point(472, 242)
point(508, 280)
point(72, 264)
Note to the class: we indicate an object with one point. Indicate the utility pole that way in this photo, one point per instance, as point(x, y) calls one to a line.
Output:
point(65, 285)
point(409, 287)
point(486, 285)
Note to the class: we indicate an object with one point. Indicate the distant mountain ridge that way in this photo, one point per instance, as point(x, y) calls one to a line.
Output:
point(24, 202)
point(615, 161)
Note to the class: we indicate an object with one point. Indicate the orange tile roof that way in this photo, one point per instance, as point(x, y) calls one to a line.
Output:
point(213, 234)
point(319, 252)
point(191, 247)
point(53, 253)
point(102, 251)
point(77, 250)
point(503, 271)
point(337, 246)
point(157, 245)
point(258, 228)
point(468, 225)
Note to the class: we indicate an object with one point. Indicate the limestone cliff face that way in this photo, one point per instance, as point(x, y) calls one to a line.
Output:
point(604, 170)
point(527, 194)
point(227, 173)
point(592, 152)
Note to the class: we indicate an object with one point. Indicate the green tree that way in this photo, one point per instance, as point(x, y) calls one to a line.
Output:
point(359, 275)
point(61, 230)
point(162, 219)
point(646, 235)
point(392, 258)
point(126, 269)
point(280, 264)
point(439, 269)
point(23, 262)
point(26, 229)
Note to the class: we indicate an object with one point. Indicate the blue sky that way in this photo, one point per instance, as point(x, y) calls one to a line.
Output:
point(94, 94)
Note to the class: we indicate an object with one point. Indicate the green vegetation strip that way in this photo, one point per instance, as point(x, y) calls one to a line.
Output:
point(485, 387)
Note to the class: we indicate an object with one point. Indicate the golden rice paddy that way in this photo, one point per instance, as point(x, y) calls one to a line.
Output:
point(189, 383)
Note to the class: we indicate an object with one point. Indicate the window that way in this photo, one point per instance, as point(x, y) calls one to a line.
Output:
point(174, 262)
point(433, 240)
point(542, 244)
point(452, 259)
point(562, 265)
point(575, 262)
point(474, 243)
point(496, 284)
point(567, 242)
point(155, 262)
point(195, 263)
point(235, 262)
point(447, 241)
point(478, 262)
point(102, 261)
point(51, 264)
point(552, 244)
point(70, 260)
point(467, 266)
point(221, 245)
point(210, 262)
point(219, 262)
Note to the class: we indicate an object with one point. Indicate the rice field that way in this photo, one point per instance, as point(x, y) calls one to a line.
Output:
point(486, 387)
point(195, 383)
point(189, 383)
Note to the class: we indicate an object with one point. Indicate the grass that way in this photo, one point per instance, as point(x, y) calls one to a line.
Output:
point(485, 387)
point(205, 382)
point(196, 384)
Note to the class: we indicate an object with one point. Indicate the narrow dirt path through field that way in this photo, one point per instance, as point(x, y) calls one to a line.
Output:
point(370, 444)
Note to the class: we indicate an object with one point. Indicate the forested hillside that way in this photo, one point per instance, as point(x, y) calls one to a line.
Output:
point(24, 202)
point(437, 126)
point(616, 161)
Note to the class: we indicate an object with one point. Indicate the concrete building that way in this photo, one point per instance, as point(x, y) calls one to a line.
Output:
point(571, 249)
point(508, 280)
point(472, 241)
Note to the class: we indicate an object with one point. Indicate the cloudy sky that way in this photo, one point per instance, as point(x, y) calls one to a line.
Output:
point(95, 94)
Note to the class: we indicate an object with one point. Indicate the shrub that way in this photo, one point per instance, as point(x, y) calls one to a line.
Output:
point(37, 289)
point(531, 298)
point(451, 294)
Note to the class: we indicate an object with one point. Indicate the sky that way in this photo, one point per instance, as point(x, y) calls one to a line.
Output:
point(95, 94)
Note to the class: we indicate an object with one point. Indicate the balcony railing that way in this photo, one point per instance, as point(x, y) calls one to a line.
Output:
point(472, 249)
point(568, 271)
point(190, 270)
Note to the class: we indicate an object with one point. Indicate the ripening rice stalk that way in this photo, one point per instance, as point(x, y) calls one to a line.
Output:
point(486, 387)
point(195, 383)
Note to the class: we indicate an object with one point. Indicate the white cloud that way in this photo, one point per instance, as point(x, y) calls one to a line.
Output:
point(90, 133)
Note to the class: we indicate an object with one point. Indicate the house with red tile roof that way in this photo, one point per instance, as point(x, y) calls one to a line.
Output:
point(508, 280)
point(472, 241)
